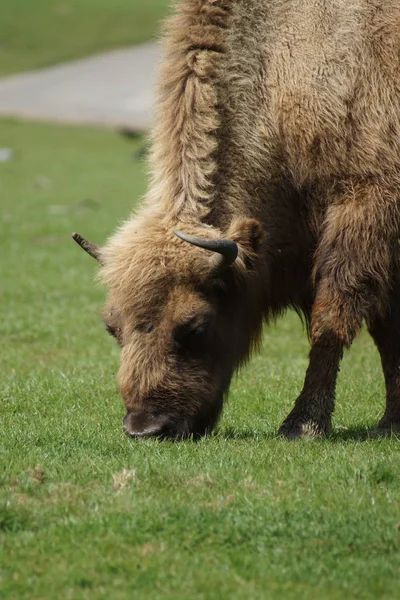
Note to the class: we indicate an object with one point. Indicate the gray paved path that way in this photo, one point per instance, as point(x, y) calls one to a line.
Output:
point(114, 89)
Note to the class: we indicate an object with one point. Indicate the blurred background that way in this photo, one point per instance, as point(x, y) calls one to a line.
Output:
point(76, 88)
point(49, 41)
point(40, 33)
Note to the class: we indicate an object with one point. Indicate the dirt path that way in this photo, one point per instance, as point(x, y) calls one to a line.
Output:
point(114, 89)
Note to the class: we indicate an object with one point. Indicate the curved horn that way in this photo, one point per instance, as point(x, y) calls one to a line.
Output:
point(88, 247)
point(227, 249)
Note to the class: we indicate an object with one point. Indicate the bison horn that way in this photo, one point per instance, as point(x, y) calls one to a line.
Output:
point(88, 247)
point(227, 249)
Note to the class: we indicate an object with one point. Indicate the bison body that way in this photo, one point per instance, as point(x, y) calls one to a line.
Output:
point(276, 182)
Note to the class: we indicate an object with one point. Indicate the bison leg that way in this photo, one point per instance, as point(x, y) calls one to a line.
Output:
point(352, 267)
point(386, 334)
point(312, 414)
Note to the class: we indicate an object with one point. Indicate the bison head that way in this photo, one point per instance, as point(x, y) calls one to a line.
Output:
point(184, 306)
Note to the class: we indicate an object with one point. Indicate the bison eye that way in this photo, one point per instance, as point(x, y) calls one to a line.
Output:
point(192, 337)
point(145, 327)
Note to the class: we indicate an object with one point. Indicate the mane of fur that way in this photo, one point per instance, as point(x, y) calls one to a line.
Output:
point(185, 137)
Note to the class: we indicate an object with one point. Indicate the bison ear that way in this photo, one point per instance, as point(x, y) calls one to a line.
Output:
point(248, 234)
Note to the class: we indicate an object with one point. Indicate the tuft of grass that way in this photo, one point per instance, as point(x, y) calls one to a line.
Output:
point(87, 513)
point(39, 33)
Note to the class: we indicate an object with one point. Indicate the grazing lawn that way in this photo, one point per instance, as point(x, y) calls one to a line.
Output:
point(39, 33)
point(239, 515)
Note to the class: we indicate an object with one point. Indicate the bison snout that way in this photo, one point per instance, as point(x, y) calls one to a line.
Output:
point(144, 424)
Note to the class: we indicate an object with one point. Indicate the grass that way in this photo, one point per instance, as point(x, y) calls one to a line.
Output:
point(239, 515)
point(59, 30)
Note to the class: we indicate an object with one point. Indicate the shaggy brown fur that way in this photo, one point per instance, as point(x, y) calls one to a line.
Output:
point(278, 127)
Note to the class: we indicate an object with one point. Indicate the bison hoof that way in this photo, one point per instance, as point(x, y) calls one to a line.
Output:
point(304, 428)
point(386, 428)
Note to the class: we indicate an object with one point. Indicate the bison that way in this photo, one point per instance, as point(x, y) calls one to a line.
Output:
point(275, 184)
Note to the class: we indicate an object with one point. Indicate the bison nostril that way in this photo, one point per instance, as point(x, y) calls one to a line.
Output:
point(144, 424)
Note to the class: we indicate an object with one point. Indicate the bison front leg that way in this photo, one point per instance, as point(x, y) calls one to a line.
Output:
point(312, 414)
point(335, 320)
point(352, 266)
point(386, 334)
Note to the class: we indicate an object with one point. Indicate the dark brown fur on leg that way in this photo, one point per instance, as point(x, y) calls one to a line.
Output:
point(386, 334)
point(312, 414)
point(351, 285)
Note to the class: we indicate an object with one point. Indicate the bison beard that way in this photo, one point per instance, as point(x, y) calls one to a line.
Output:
point(276, 182)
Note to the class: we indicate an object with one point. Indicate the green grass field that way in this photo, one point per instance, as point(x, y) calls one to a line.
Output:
point(39, 33)
point(86, 513)
point(239, 515)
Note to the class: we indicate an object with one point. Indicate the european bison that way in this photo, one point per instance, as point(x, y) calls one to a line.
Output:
point(276, 184)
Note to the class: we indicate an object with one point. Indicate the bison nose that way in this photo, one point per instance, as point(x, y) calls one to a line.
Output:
point(144, 424)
